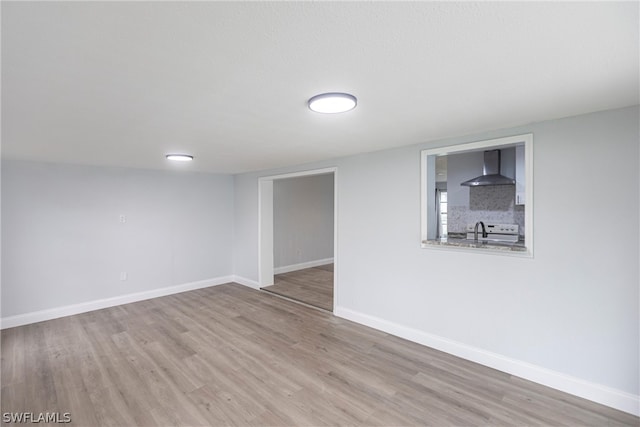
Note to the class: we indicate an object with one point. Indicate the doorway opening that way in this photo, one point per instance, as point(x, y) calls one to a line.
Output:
point(298, 236)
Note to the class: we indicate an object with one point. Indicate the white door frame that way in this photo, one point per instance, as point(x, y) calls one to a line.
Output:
point(265, 225)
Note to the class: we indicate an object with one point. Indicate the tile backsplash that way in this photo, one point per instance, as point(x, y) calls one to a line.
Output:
point(491, 204)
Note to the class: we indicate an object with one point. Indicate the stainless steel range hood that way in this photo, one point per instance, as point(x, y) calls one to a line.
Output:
point(490, 172)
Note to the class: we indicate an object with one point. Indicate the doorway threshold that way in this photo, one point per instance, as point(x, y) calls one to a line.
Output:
point(297, 301)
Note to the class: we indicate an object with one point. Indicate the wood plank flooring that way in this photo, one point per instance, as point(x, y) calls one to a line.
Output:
point(230, 355)
point(313, 286)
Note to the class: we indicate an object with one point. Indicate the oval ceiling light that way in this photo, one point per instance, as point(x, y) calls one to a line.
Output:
point(332, 103)
point(179, 157)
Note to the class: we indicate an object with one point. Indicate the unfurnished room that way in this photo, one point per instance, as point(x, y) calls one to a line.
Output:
point(316, 213)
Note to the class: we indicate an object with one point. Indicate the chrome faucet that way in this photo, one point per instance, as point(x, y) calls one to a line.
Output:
point(475, 231)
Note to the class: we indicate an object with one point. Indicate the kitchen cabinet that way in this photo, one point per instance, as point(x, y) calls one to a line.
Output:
point(521, 195)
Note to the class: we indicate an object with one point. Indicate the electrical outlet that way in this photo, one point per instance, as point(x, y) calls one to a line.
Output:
point(123, 219)
point(123, 275)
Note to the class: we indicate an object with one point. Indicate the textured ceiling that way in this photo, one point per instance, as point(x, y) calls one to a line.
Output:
point(123, 83)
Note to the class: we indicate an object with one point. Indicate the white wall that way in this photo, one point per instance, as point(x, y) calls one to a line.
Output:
point(302, 219)
point(572, 310)
point(63, 244)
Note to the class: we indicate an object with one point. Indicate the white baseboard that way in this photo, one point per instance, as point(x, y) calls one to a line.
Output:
point(617, 399)
point(246, 282)
point(302, 265)
point(70, 310)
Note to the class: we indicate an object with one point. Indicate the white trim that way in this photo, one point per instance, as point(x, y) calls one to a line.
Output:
point(301, 173)
point(83, 307)
point(302, 265)
point(424, 212)
point(246, 282)
point(265, 232)
point(608, 396)
point(529, 194)
point(335, 238)
point(478, 145)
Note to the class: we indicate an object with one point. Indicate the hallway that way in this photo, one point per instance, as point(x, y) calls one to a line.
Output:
point(313, 286)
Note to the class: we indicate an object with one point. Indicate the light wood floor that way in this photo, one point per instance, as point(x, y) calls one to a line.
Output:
point(313, 286)
point(230, 355)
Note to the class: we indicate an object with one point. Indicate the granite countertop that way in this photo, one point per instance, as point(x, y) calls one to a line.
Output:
point(467, 243)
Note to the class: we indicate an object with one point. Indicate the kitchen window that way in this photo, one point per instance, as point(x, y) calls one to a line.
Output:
point(479, 196)
point(441, 201)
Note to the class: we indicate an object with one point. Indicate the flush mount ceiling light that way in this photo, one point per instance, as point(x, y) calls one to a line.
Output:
point(179, 157)
point(332, 103)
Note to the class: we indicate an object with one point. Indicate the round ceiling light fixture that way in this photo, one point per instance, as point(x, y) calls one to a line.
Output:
point(179, 157)
point(333, 102)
